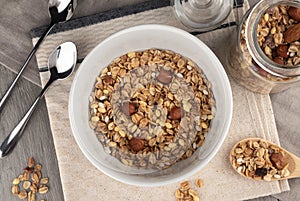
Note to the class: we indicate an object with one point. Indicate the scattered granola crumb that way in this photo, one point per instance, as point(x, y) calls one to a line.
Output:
point(31, 162)
point(185, 192)
point(199, 183)
point(28, 184)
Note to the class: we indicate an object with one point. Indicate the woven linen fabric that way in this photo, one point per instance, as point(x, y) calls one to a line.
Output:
point(252, 113)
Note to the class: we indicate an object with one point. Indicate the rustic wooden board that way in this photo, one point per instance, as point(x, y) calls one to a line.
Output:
point(36, 140)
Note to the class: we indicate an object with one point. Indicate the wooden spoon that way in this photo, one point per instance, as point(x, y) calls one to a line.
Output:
point(259, 159)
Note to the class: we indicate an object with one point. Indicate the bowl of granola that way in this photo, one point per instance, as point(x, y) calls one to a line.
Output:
point(150, 105)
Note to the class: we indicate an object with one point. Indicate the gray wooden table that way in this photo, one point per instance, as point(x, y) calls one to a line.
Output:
point(17, 18)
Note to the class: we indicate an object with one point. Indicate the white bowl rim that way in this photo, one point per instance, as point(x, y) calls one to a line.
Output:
point(111, 173)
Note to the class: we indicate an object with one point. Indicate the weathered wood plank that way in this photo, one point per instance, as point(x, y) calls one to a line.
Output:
point(36, 140)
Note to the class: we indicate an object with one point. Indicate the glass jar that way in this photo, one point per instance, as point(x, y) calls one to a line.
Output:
point(255, 60)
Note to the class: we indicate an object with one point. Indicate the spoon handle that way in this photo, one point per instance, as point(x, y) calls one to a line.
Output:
point(296, 172)
point(7, 93)
point(11, 140)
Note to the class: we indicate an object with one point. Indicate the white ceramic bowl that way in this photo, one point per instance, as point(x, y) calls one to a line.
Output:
point(141, 38)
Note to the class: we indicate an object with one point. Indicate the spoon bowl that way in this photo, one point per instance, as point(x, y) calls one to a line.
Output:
point(62, 60)
point(59, 11)
point(259, 159)
point(61, 64)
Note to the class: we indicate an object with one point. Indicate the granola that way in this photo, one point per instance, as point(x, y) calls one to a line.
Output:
point(30, 181)
point(151, 108)
point(278, 34)
point(259, 160)
point(185, 192)
point(270, 31)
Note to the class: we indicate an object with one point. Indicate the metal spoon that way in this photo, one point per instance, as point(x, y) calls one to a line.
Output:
point(287, 164)
point(60, 11)
point(61, 64)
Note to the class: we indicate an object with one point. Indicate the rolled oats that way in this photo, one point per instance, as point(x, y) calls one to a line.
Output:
point(259, 160)
point(35, 178)
point(33, 188)
point(44, 180)
point(16, 181)
point(194, 194)
point(26, 184)
point(43, 189)
point(37, 167)
point(31, 196)
point(144, 105)
point(22, 195)
point(15, 189)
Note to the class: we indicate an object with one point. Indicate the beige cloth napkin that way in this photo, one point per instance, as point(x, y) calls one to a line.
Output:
point(81, 181)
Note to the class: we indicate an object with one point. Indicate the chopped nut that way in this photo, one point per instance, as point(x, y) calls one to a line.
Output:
point(128, 108)
point(165, 76)
point(28, 170)
point(278, 60)
point(277, 160)
point(107, 79)
point(30, 162)
point(294, 12)
point(137, 144)
point(282, 51)
point(292, 33)
point(175, 113)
